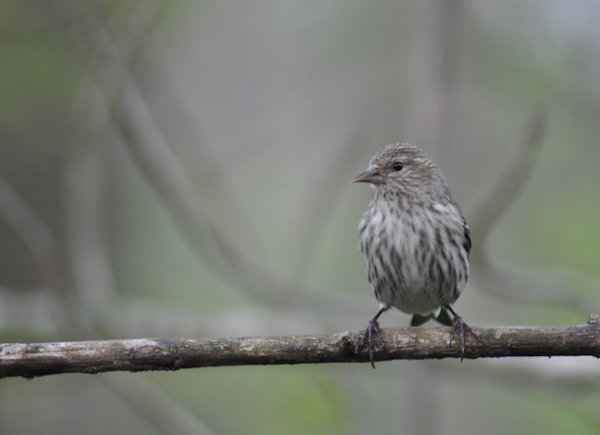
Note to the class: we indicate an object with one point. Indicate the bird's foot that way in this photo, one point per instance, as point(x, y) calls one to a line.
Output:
point(458, 324)
point(372, 327)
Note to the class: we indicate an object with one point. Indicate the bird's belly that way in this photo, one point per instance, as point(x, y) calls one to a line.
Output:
point(403, 280)
point(416, 299)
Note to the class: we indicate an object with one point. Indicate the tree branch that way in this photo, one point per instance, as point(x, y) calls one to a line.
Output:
point(40, 359)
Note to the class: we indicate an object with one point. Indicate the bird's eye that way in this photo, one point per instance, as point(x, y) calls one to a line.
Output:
point(397, 166)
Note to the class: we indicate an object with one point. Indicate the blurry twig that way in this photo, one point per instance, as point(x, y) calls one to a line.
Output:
point(85, 183)
point(43, 247)
point(168, 178)
point(85, 186)
point(501, 194)
point(327, 183)
point(84, 189)
point(34, 233)
point(515, 283)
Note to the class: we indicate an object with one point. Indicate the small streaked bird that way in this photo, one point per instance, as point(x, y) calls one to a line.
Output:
point(415, 240)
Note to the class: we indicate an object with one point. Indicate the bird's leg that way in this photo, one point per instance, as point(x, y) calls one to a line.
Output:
point(373, 326)
point(459, 323)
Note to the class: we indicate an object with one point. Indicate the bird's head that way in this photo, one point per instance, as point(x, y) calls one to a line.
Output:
point(403, 168)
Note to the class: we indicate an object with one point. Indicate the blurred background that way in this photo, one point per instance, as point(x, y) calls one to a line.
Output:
point(183, 169)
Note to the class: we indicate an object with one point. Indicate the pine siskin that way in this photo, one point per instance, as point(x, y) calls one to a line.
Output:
point(415, 240)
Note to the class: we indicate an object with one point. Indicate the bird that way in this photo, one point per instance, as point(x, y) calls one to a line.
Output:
point(415, 241)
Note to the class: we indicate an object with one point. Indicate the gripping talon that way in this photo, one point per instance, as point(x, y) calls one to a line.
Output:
point(368, 337)
point(373, 326)
point(459, 323)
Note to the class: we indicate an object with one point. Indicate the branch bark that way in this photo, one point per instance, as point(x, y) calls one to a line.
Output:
point(40, 359)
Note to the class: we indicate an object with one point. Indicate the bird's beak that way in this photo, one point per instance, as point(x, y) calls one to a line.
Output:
point(371, 175)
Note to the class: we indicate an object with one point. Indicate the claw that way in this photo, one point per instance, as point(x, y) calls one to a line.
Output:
point(373, 326)
point(459, 324)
